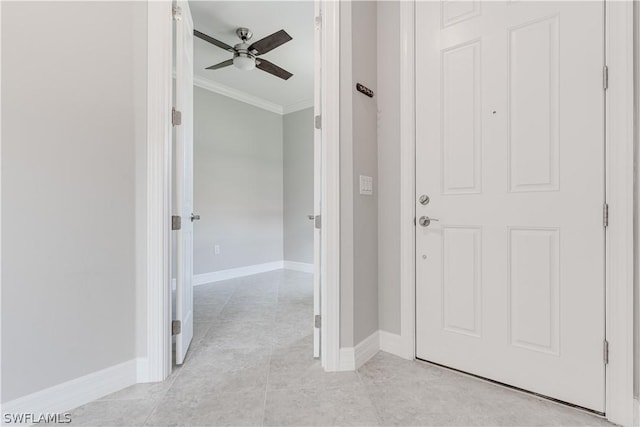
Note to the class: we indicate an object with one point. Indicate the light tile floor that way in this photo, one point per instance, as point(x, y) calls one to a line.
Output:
point(251, 364)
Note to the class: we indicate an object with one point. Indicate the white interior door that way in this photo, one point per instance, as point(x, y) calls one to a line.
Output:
point(184, 178)
point(317, 180)
point(510, 151)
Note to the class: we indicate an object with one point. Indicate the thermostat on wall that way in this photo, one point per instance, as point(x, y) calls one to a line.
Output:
point(366, 185)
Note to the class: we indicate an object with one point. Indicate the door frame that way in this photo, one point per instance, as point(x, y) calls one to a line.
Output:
point(156, 366)
point(619, 282)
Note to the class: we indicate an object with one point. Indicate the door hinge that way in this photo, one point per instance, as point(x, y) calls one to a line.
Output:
point(318, 22)
point(318, 222)
point(605, 215)
point(177, 12)
point(605, 352)
point(317, 321)
point(318, 121)
point(176, 327)
point(605, 77)
point(176, 117)
point(176, 222)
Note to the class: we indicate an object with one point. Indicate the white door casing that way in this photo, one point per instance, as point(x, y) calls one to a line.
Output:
point(158, 260)
point(510, 151)
point(184, 178)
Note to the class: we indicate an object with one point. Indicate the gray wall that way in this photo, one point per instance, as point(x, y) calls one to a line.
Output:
point(359, 156)
point(73, 119)
point(237, 183)
point(389, 165)
point(365, 162)
point(298, 185)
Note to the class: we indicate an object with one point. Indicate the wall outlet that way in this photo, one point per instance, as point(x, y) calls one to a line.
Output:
point(216, 249)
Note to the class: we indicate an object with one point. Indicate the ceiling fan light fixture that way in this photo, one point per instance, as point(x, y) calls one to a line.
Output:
point(244, 62)
point(244, 54)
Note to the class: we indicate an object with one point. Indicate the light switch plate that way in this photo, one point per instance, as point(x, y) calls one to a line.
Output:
point(366, 185)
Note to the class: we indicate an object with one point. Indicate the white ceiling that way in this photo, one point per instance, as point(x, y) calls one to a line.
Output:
point(219, 19)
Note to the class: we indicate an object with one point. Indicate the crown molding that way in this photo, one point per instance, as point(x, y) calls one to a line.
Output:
point(236, 94)
point(297, 106)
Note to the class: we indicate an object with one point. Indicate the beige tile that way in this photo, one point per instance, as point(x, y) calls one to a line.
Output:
point(348, 406)
point(251, 362)
point(218, 370)
point(149, 391)
point(113, 413)
point(295, 368)
point(230, 334)
point(385, 368)
point(205, 313)
point(210, 409)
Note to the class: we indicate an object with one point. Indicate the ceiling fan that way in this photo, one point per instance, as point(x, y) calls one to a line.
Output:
point(245, 55)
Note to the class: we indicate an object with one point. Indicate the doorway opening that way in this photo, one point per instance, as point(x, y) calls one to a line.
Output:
point(247, 179)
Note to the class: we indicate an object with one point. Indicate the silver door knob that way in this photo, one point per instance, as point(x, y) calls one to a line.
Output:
point(195, 217)
point(425, 221)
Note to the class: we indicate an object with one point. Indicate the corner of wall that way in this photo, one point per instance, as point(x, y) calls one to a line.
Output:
point(352, 358)
point(395, 344)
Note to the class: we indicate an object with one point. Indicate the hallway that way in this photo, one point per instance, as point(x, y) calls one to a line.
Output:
point(251, 363)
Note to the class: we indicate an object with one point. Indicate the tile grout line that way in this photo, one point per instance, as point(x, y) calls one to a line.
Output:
point(266, 387)
point(271, 349)
point(153, 410)
point(368, 394)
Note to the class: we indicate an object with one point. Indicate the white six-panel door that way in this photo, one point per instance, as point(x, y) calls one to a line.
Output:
point(510, 152)
point(184, 179)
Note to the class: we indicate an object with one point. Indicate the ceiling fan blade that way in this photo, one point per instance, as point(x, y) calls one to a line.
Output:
point(270, 42)
point(272, 68)
point(213, 41)
point(221, 65)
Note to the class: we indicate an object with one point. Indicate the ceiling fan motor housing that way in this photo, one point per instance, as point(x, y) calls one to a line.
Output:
point(244, 33)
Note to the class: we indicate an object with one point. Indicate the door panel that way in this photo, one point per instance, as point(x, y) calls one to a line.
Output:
point(510, 151)
point(317, 178)
point(184, 179)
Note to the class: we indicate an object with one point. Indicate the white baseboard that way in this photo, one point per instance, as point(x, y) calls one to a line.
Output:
point(396, 345)
point(142, 370)
point(77, 392)
point(298, 266)
point(367, 348)
point(347, 360)
point(351, 358)
point(232, 273)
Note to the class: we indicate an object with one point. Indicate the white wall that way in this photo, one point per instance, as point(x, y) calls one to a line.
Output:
point(298, 185)
point(238, 183)
point(73, 123)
